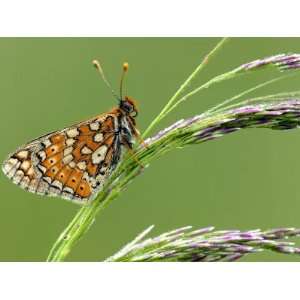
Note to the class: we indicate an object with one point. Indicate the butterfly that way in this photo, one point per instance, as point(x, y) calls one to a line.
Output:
point(74, 163)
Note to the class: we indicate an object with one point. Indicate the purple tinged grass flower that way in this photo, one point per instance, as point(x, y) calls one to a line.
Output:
point(233, 257)
point(201, 231)
point(205, 244)
point(177, 231)
point(282, 61)
point(247, 109)
point(279, 115)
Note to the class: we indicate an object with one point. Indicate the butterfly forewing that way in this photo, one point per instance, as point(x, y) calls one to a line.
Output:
point(72, 163)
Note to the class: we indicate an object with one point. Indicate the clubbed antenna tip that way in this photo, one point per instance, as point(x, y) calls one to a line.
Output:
point(125, 66)
point(125, 69)
point(97, 65)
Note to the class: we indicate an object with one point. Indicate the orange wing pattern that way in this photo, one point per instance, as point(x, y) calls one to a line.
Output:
point(73, 163)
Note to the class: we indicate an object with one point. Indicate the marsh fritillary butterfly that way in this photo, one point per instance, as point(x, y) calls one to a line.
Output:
point(74, 163)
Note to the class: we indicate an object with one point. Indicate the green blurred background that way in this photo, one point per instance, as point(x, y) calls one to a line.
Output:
point(246, 180)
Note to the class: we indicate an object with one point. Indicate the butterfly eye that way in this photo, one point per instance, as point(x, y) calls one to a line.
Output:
point(126, 106)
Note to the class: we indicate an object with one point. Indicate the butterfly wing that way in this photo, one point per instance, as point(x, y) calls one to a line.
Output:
point(72, 163)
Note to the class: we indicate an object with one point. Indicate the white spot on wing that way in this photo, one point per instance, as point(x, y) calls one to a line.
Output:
point(95, 126)
point(25, 165)
point(70, 142)
point(42, 168)
point(98, 137)
point(86, 150)
point(22, 154)
point(57, 184)
point(85, 176)
point(99, 154)
point(48, 179)
point(42, 155)
point(72, 164)
point(100, 178)
point(72, 132)
point(46, 143)
point(30, 172)
point(68, 151)
point(89, 179)
point(82, 165)
point(67, 159)
point(68, 190)
point(103, 169)
point(92, 181)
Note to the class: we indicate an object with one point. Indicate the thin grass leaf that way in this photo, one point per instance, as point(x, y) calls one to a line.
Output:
point(182, 88)
point(255, 88)
point(261, 99)
point(283, 62)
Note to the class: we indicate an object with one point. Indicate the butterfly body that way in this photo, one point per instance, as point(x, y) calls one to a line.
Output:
point(74, 163)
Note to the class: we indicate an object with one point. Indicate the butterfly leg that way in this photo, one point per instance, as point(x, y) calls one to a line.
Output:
point(132, 153)
point(137, 134)
point(141, 141)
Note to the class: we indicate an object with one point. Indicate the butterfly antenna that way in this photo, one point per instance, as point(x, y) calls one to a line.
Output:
point(97, 65)
point(125, 69)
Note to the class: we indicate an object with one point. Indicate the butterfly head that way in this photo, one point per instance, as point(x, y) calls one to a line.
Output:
point(128, 106)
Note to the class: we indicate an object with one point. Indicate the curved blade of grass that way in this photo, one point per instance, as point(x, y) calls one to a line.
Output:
point(199, 68)
point(283, 62)
point(217, 107)
point(261, 99)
